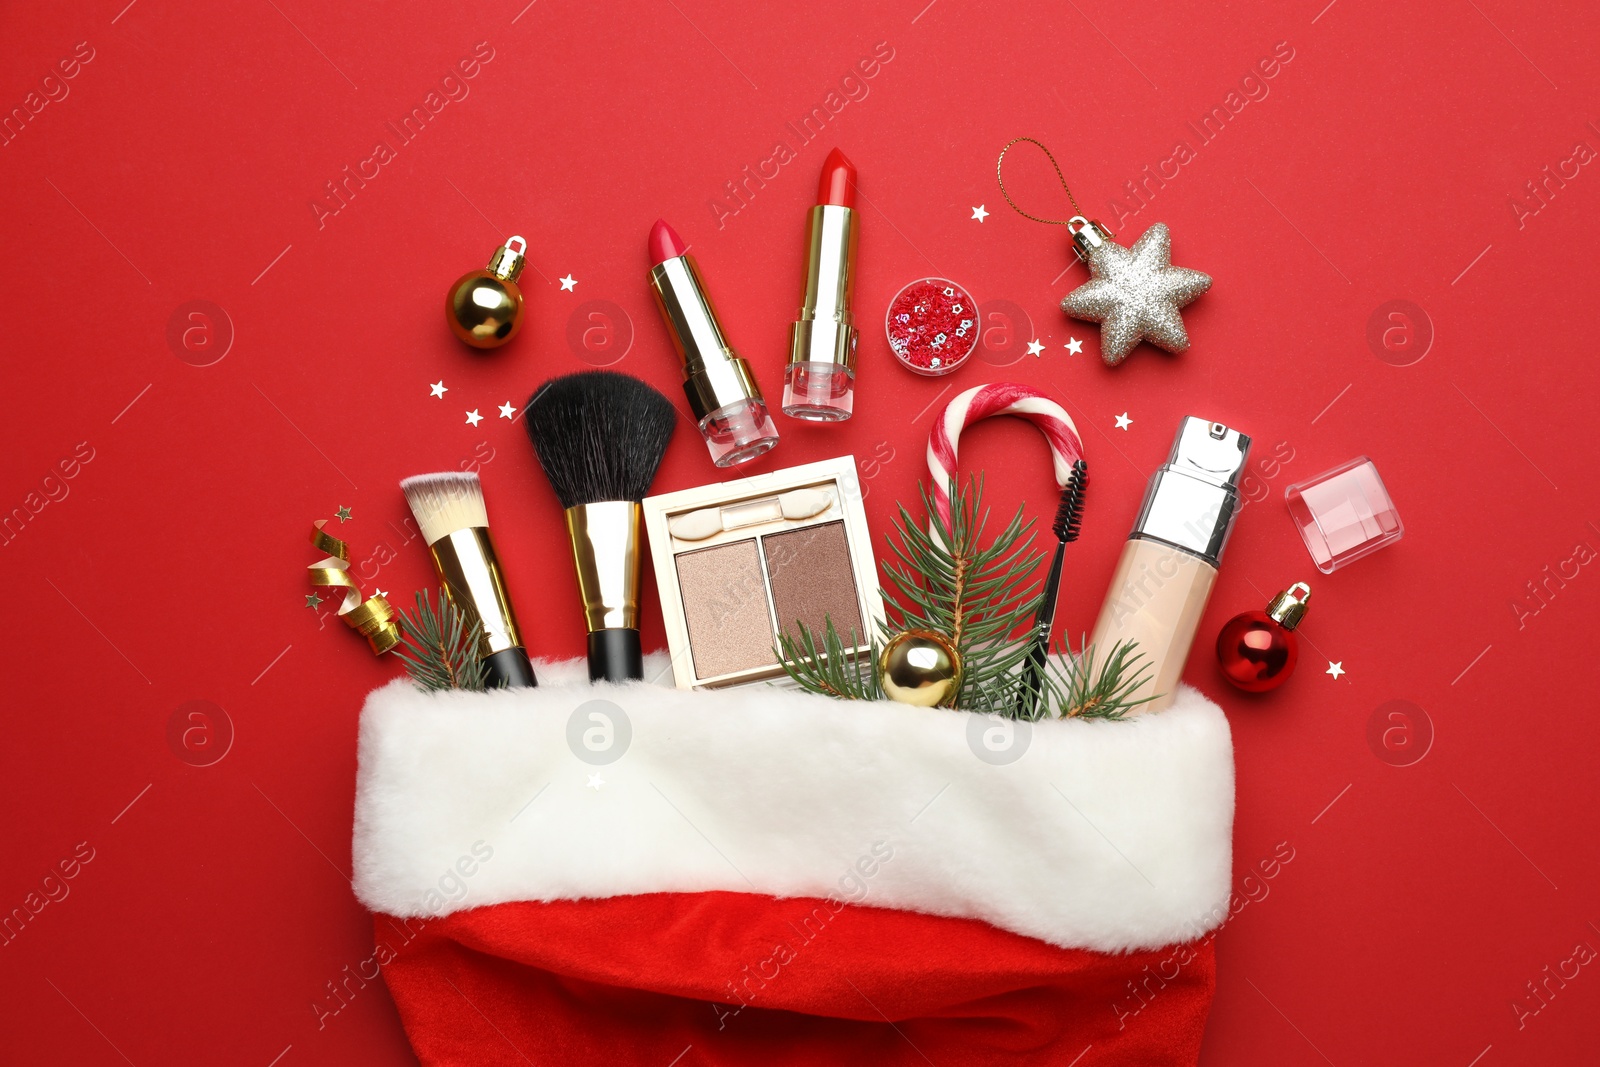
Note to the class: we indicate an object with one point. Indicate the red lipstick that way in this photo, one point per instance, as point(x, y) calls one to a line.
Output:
point(722, 391)
point(819, 382)
point(838, 186)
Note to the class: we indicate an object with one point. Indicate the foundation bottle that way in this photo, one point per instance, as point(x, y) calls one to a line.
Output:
point(1169, 564)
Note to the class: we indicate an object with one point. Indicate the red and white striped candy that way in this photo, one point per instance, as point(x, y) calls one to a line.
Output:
point(1002, 398)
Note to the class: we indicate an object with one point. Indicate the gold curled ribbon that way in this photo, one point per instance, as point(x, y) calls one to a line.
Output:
point(373, 619)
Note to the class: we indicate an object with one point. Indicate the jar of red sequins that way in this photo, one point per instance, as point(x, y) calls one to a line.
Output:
point(933, 326)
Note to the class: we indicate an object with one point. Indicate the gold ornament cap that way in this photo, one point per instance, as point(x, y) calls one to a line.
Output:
point(509, 259)
point(1088, 236)
point(921, 668)
point(1290, 606)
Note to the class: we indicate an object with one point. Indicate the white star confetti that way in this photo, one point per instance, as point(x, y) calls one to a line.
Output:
point(437, 389)
point(595, 782)
point(379, 592)
point(1074, 347)
point(568, 283)
point(979, 214)
point(1335, 669)
point(507, 411)
point(1123, 422)
point(1035, 347)
point(473, 418)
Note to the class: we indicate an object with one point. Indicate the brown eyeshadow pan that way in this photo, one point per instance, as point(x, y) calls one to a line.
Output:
point(813, 580)
point(725, 606)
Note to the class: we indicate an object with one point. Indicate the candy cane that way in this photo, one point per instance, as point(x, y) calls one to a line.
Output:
point(1002, 398)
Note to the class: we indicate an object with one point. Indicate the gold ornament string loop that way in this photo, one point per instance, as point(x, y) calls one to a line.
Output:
point(373, 619)
point(1000, 177)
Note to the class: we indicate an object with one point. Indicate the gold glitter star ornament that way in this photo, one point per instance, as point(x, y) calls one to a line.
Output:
point(1133, 293)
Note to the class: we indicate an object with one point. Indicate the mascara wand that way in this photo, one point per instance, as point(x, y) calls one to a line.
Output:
point(1068, 522)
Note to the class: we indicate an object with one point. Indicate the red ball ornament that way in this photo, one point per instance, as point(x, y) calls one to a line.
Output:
point(1257, 649)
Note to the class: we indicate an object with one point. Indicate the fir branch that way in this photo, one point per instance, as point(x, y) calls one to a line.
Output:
point(846, 672)
point(441, 647)
point(983, 595)
point(1085, 693)
point(944, 577)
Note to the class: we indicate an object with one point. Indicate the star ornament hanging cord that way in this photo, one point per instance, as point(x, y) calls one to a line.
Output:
point(1133, 293)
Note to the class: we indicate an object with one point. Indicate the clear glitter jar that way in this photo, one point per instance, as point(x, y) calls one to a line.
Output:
point(933, 326)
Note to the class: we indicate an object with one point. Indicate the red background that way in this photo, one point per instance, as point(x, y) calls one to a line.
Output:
point(1385, 162)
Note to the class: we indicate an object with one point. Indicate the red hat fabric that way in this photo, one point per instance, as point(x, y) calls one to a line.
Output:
point(642, 875)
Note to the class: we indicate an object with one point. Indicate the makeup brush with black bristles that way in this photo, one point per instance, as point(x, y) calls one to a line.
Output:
point(1069, 520)
point(600, 437)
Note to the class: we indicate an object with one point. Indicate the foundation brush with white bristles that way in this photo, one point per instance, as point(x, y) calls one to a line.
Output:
point(454, 521)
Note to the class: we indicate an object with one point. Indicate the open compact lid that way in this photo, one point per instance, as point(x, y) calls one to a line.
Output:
point(1107, 836)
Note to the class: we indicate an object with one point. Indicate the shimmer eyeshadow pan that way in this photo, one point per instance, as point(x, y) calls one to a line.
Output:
point(812, 580)
point(740, 561)
point(725, 606)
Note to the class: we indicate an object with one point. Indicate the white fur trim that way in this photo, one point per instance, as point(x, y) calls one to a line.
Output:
point(1104, 835)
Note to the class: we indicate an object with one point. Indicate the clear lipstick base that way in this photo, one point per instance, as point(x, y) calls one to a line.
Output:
point(819, 392)
point(738, 432)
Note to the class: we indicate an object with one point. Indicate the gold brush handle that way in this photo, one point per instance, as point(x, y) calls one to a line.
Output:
point(605, 551)
point(470, 570)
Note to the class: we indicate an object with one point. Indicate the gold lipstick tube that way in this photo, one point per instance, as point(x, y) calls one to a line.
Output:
point(727, 403)
point(470, 570)
point(819, 382)
point(605, 550)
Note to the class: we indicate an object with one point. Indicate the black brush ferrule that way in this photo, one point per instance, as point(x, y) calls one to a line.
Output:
point(615, 656)
point(509, 669)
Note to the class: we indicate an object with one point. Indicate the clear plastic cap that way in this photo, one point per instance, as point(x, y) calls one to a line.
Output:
point(1344, 514)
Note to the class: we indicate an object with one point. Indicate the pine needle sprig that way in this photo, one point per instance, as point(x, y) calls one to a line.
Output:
point(441, 646)
point(1106, 693)
point(982, 595)
point(945, 577)
point(840, 670)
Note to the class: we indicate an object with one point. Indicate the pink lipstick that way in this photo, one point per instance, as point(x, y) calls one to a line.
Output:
point(664, 243)
point(819, 382)
point(722, 391)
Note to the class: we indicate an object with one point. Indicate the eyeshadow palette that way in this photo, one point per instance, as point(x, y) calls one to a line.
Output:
point(739, 562)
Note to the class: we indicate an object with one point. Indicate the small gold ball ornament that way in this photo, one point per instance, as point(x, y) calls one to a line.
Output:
point(484, 307)
point(920, 667)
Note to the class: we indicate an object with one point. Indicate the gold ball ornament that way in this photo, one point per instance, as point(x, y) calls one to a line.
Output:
point(484, 307)
point(921, 668)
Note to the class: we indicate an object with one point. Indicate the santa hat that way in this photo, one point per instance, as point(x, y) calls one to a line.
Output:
point(636, 874)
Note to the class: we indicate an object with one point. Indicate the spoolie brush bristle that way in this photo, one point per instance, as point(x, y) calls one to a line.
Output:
point(446, 502)
point(1069, 513)
point(599, 435)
